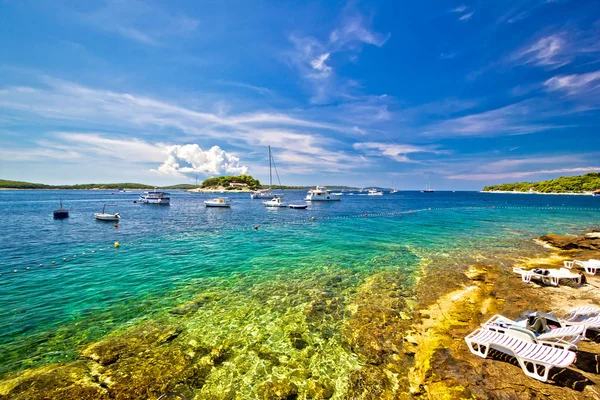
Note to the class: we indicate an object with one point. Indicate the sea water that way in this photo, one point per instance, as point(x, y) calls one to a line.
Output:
point(258, 267)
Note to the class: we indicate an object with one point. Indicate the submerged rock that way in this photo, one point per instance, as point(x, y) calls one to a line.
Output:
point(278, 390)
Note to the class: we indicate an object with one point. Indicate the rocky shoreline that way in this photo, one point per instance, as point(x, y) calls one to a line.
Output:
point(406, 341)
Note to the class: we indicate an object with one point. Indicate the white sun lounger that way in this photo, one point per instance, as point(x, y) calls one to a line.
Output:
point(591, 266)
point(553, 278)
point(535, 359)
point(589, 322)
point(565, 338)
point(582, 311)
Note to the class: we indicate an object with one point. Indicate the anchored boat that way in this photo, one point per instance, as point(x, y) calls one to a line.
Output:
point(267, 193)
point(155, 197)
point(61, 212)
point(103, 216)
point(374, 192)
point(320, 193)
point(218, 202)
point(275, 202)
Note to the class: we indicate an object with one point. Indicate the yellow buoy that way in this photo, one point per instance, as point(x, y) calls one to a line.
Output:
point(117, 244)
point(313, 218)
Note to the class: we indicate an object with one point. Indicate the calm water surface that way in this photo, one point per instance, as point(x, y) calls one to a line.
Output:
point(170, 254)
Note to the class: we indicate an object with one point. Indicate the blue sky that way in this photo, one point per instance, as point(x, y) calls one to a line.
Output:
point(459, 94)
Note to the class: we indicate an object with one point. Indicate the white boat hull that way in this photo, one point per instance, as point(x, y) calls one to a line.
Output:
point(323, 198)
point(298, 206)
point(217, 205)
point(107, 217)
point(155, 201)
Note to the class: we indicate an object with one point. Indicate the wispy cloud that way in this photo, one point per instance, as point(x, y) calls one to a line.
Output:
point(460, 9)
point(575, 83)
point(466, 16)
point(313, 58)
point(135, 20)
point(515, 119)
point(550, 51)
point(397, 152)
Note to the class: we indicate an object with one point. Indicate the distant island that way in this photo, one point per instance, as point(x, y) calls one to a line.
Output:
point(221, 183)
point(579, 184)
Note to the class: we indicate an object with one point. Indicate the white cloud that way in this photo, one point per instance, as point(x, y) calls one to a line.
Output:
point(460, 9)
point(397, 152)
point(190, 158)
point(574, 84)
point(550, 51)
point(467, 16)
point(319, 65)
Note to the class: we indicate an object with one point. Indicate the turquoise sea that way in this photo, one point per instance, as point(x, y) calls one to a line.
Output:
point(72, 286)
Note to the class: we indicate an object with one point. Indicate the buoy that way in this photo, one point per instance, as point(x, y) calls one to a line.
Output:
point(313, 218)
point(41, 265)
point(92, 251)
point(74, 256)
point(15, 271)
point(27, 268)
point(65, 259)
point(83, 254)
point(53, 262)
point(116, 225)
point(366, 215)
point(117, 244)
point(256, 227)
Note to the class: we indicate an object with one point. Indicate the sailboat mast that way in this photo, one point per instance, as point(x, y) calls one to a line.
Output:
point(270, 175)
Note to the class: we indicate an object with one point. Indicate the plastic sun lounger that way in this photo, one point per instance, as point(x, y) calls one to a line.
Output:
point(534, 359)
point(582, 311)
point(565, 338)
point(591, 266)
point(589, 322)
point(553, 278)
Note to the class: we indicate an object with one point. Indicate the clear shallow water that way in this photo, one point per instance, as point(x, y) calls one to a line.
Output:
point(170, 255)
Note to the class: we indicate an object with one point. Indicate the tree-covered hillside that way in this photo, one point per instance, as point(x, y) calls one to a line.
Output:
point(565, 184)
point(225, 181)
point(8, 184)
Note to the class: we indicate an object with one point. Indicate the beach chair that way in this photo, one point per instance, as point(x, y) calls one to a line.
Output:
point(582, 311)
point(566, 338)
point(552, 277)
point(591, 266)
point(588, 322)
point(534, 359)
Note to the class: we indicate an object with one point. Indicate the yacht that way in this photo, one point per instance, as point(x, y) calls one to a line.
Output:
point(218, 202)
point(267, 193)
point(320, 193)
point(275, 202)
point(155, 197)
point(61, 212)
point(375, 192)
point(103, 216)
point(393, 191)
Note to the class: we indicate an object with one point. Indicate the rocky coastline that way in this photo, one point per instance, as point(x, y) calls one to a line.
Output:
point(406, 341)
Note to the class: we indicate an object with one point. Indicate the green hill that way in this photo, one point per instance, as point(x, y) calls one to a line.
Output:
point(8, 184)
point(565, 184)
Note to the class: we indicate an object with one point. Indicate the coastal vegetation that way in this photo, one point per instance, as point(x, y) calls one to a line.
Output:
point(233, 182)
point(565, 184)
point(8, 184)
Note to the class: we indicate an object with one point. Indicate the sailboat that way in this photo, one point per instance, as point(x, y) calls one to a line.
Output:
point(267, 193)
point(428, 189)
point(61, 212)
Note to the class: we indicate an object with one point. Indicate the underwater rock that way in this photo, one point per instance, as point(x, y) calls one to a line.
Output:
point(319, 390)
point(53, 382)
point(278, 390)
point(369, 383)
point(187, 308)
point(297, 341)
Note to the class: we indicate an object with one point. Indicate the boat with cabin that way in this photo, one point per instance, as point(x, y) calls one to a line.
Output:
point(374, 192)
point(321, 193)
point(61, 213)
point(275, 202)
point(104, 216)
point(222, 202)
point(155, 197)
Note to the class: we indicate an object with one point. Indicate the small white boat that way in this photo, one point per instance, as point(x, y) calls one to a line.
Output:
point(298, 206)
point(155, 197)
point(267, 193)
point(374, 192)
point(275, 202)
point(103, 216)
point(262, 194)
point(218, 202)
point(320, 193)
point(393, 191)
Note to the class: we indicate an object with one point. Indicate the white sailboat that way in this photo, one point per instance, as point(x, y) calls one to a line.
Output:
point(103, 216)
point(267, 193)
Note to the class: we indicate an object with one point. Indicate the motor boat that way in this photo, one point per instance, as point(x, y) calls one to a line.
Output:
point(393, 191)
point(374, 192)
point(298, 206)
point(320, 193)
point(262, 194)
point(218, 202)
point(155, 197)
point(103, 216)
point(61, 213)
point(275, 202)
